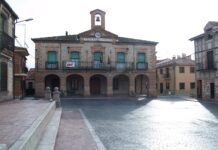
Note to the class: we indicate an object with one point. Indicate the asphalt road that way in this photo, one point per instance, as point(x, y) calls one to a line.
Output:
point(166, 123)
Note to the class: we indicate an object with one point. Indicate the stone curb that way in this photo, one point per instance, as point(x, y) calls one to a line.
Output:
point(30, 138)
point(48, 139)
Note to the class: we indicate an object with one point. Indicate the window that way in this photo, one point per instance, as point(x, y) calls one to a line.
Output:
point(161, 71)
point(75, 57)
point(181, 70)
point(120, 60)
point(141, 61)
point(4, 77)
point(192, 69)
point(3, 24)
point(97, 59)
point(210, 60)
point(182, 86)
point(52, 56)
point(192, 85)
point(52, 60)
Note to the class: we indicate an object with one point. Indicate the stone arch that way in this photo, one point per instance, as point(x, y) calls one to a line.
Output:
point(98, 85)
point(75, 85)
point(121, 85)
point(52, 81)
point(142, 84)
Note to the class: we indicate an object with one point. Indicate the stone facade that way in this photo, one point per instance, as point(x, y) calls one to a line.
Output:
point(7, 18)
point(90, 75)
point(206, 61)
point(176, 76)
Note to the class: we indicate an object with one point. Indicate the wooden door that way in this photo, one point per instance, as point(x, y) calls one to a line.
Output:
point(95, 86)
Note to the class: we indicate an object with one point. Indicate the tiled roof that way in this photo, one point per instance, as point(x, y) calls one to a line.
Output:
point(68, 38)
point(178, 61)
point(134, 41)
point(75, 39)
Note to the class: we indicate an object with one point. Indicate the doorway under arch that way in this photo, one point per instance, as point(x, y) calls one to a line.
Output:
point(121, 85)
point(75, 85)
point(52, 81)
point(98, 85)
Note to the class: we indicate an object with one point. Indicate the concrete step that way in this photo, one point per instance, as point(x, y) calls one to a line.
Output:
point(31, 137)
point(48, 139)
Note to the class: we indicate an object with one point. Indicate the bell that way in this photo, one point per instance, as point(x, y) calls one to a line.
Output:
point(97, 18)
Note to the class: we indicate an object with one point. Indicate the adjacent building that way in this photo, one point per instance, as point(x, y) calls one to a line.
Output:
point(20, 71)
point(30, 83)
point(7, 30)
point(95, 62)
point(206, 61)
point(176, 76)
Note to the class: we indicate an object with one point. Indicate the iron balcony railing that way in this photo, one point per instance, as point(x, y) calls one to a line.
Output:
point(96, 65)
point(6, 41)
point(167, 76)
point(200, 67)
point(51, 65)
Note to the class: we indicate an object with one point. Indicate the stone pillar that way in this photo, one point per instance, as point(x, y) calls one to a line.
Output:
point(131, 85)
point(86, 86)
point(56, 97)
point(109, 86)
point(63, 85)
point(152, 90)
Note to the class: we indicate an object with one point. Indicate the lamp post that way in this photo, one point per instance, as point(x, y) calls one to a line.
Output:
point(16, 22)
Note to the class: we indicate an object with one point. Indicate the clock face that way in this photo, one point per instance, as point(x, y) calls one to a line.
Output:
point(97, 34)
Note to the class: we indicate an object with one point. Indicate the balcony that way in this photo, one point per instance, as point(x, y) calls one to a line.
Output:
point(167, 76)
point(97, 65)
point(6, 41)
point(199, 67)
point(51, 65)
point(142, 66)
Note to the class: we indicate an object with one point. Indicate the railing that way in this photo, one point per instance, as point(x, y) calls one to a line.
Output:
point(6, 41)
point(199, 67)
point(51, 65)
point(167, 75)
point(98, 65)
point(142, 65)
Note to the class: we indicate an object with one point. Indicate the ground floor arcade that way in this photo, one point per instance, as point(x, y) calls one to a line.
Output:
point(88, 84)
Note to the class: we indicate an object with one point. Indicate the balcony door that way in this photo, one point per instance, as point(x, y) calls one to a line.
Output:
point(141, 61)
point(120, 60)
point(97, 60)
point(75, 57)
point(52, 60)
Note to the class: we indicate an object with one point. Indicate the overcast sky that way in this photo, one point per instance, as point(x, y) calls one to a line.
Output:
point(170, 22)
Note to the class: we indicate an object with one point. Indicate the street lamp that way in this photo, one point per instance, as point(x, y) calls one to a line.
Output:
point(25, 20)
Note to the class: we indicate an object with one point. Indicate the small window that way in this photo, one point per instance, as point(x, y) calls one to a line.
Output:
point(161, 71)
point(192, 85)
point(192, 69)
point(182, 86)
point(181, 70)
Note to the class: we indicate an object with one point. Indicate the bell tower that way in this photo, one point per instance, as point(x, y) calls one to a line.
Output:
point(97, 18)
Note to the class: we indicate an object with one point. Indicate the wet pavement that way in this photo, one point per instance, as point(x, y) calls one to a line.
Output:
point(16, 116)
point(162, 123)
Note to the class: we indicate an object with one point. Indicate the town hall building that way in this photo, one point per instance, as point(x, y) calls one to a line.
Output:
point(95, 62)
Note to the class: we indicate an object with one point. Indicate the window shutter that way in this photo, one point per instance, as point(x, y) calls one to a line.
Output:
point(121, 57)
point(52, 56)
point(141, 57)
